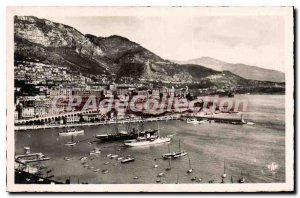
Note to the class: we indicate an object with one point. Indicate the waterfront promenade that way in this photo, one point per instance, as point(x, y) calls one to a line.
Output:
point(220, 118)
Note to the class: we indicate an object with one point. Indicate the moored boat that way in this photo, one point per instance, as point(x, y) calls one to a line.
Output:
point(147, 140)
point(175, 154)
point(190, 170)
point(72, 143)
point(192, 121)
point(127, 159)
point(72, 131)
point(242, 179)
point(124, 135)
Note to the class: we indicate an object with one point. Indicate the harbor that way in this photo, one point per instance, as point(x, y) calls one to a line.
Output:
point(253, 152)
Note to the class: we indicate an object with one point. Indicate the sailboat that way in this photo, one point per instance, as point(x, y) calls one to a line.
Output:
point(242, 121)
point(190, 170)
point(242, 179)
point(175, 154)
point(115, 155)
point(169, 168)
point(72, 143)
point(224, 173)
point(177, 182)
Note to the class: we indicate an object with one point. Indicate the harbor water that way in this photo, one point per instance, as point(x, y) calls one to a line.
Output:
point(257, 152)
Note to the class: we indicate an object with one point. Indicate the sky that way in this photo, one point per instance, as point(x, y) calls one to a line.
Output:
point(252, 40)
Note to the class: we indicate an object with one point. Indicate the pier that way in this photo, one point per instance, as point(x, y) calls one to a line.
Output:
point(22, 177)
point(27, 158)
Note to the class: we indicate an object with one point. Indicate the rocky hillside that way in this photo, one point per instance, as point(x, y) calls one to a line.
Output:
point(245, 71)
point(44, 41)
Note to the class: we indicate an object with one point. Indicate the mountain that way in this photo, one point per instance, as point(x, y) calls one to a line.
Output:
point(245, 71)
point(53, 43)
point(41, 40)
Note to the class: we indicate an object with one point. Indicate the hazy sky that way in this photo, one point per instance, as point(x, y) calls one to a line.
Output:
point(250, 40)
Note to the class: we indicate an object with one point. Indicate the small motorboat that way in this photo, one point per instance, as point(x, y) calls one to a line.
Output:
point(203, 121)
point(192, 121)
point(161, 174)
point(193, 178)
point(104, 171)
point(96, 151)
point(83, 159)
point(127, 160)
point(85, 165)
point(70, 143)
point(199, 180)
point(113, 156)
point(67, 158)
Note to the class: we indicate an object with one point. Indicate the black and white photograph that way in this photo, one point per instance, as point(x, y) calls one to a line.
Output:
point(155, 99)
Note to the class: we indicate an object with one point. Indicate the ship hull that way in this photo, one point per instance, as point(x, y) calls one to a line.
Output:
point(122, 137)
point(147, 142)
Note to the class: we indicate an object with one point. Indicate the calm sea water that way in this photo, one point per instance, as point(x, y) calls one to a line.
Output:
point(247, 150)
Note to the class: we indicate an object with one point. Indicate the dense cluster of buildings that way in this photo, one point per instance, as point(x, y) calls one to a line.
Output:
point(50, 82)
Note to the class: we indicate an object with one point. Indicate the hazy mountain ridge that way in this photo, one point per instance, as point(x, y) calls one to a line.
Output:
point(44, 41)
point(243, 70)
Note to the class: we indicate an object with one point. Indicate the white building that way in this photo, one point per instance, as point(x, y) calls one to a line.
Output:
point(28, 112)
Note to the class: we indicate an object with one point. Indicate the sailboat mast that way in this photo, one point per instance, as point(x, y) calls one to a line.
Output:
point(117, 129)
point(224, 166)
point(190, 166)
